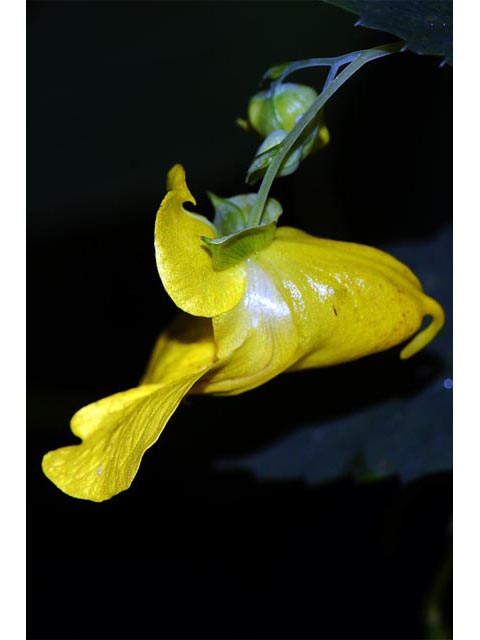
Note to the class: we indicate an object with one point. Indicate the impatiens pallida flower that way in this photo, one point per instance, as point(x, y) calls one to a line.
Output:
point(256, 301)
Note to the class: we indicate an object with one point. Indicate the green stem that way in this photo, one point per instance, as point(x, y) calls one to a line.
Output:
point(339, 61)
point(256, 213)
point(435, 622)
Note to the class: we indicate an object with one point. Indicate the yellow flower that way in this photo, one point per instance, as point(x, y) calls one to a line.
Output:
point(255, 303)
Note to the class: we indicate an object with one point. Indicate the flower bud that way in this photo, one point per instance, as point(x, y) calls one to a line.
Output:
point(280, 109)
point(273, 114)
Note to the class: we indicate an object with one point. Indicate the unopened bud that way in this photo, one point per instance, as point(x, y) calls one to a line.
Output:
point(273, 114)
point(271, 110)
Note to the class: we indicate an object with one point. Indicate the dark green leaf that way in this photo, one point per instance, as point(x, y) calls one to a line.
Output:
point(425, 25)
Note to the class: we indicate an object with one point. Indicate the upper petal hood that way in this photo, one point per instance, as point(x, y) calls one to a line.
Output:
point(184, 263)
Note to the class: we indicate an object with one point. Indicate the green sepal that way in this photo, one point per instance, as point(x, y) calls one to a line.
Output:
point(230, 215)
point(231, 249)
point(267, 151)
point(233, 214)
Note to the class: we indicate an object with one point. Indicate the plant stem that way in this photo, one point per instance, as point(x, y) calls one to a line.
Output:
point(331, 87)
point(319, 62)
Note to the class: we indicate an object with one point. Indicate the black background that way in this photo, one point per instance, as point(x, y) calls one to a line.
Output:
point(117, 93)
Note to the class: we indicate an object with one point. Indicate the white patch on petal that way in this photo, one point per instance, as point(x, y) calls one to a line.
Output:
point(256, 340)
point(262, 299)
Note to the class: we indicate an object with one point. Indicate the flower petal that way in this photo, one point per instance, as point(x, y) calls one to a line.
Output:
point(183, 347)
point(184, 262)
point(116, 431)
